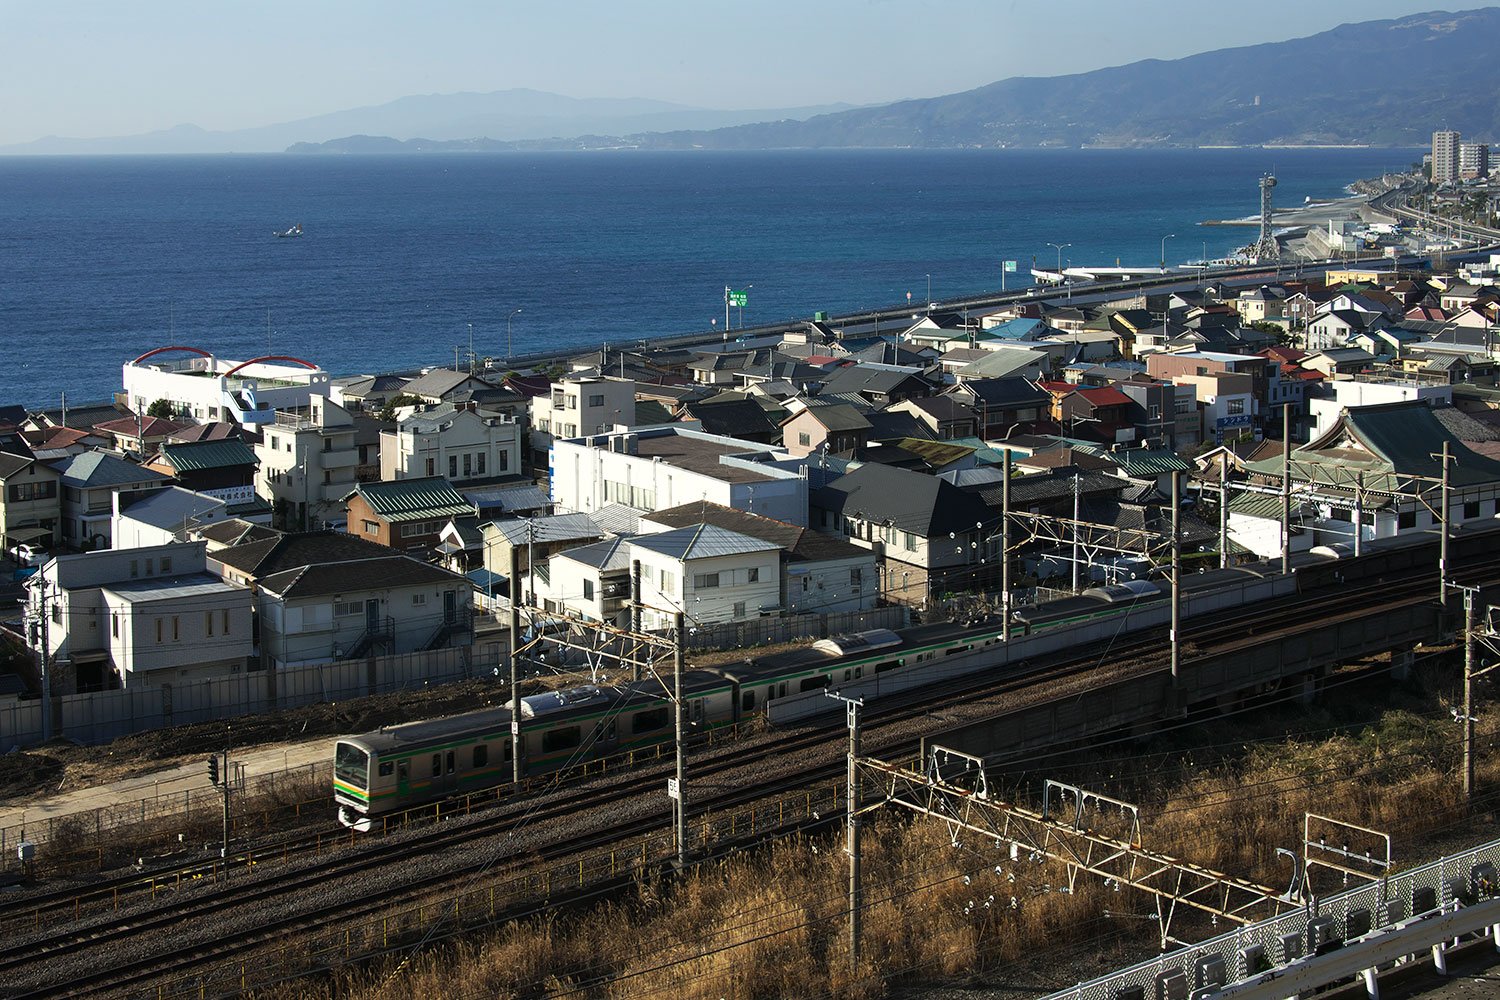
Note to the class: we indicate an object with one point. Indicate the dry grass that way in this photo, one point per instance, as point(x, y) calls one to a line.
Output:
point(773, 924)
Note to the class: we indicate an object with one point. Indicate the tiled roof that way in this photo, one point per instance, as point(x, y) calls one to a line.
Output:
point(911, 501)
point(837, 417)
point(556, 528)
point(197, 455)
point(147, 426)
point(280, 552)
point(356, 576)
point(413, 499)
point(803, 544)
point(95, 468)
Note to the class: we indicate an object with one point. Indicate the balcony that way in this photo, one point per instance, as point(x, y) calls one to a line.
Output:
point(339, 459)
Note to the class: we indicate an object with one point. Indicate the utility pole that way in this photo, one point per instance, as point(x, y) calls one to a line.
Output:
point(1076, 493)
point(1005, 547)
point(1443, 540)
point(1223, 512)
point(677, 790)
point(1286, 490)
point(851, 835)
point(44, 633)
point(1469, 695)
point(635, 611)
point(515, 665)
point(1176, 572)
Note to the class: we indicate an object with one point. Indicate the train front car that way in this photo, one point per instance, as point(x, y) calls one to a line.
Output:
point(351, 783)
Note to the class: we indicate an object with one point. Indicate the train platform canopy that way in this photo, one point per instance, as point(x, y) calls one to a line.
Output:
point(1385, 450)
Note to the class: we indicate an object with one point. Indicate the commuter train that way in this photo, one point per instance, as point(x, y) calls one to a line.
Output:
point(423, 762)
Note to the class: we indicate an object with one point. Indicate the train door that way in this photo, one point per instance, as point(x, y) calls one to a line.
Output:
point(450, 775)
point(403, 779)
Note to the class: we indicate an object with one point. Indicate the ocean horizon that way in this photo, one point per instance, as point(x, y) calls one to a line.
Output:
point(104, 258)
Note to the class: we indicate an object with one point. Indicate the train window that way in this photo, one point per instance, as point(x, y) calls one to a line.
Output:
point(847, 675)
point(881, 668)
point(386, 767)
point(649, 720)
point(403, 771)
point(437, 765)
point(814, 683)
point(859, 672)
point(609, 730)
point(957, 649)
point(781, 692)
point(508, 755)
point(747, 701)
point(560, 739)
point(481, 755)
point(450, 761)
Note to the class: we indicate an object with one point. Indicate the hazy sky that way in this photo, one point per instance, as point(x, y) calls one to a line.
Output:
point(105, 67)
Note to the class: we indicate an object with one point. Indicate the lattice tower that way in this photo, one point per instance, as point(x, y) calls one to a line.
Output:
point(1265, 248)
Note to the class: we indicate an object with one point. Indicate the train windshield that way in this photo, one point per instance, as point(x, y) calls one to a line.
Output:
point(351, 765)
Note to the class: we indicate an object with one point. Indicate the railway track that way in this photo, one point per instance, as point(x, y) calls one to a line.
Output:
point(1138, 653)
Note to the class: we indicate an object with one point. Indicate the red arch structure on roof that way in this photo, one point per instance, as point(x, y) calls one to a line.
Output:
point(174, 347)
point(271, 357)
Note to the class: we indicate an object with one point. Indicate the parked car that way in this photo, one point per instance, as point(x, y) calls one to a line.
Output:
point(26, 554)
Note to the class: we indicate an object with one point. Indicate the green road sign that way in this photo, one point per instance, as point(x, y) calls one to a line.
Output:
point(738, 298)
point(1010, 267)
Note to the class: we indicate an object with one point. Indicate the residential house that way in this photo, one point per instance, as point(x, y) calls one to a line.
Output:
point(708, 573)
point(879, 385)
point(406, 514)
point(837, 427)
point(1031, 363)
point(533, 540)
point(590, 581)
point(665, 466)
point(325, 595)
point(1339, 361)
point(89, 484)
point(1005, 405)
point(152, 616)
point(946, 416)
point(736, 415)
point(460, 444)
point(144, 518)
point(140, 435)
point(30, 502)
point(925, 532)
point(819, 573)
point(579, 406)
point(225, 469)
point(308, 459)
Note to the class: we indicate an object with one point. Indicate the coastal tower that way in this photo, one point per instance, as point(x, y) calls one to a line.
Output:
point(1265, 249)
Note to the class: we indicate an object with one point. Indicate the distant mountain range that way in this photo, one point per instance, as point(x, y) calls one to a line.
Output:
point(507, 115)
point(1384, 83)
point(1380, 83)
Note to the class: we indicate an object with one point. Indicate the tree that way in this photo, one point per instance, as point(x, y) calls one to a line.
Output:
point(388, 411)
point(160, 408)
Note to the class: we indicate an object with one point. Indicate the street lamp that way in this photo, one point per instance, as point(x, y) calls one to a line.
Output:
point(1169, 236)
point(1059, 247)
point(508, 352)
point(746, 290)
point(929, 293)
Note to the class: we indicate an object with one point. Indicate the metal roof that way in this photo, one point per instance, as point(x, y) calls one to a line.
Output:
point(556, 528)
point(413, 499)
point(701, 541)
point(94, 468)
point(195, 455)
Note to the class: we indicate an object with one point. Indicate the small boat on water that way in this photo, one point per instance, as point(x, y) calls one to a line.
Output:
point(293, 231)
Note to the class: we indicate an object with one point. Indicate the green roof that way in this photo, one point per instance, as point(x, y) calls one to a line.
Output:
point(193, 456)
point(1140, 461)
point(413, 499)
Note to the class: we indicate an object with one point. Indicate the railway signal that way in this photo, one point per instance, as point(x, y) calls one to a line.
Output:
point(213, 769)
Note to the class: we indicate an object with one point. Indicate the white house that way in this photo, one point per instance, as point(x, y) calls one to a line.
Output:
point(662, 467)
point(308, 461)
point(205, 388)
point(709, 573)
point(155, 615)
point(580, 405)
point(462, 445)
point(160, 517)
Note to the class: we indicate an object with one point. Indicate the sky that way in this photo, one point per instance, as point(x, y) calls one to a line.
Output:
point(92, 68)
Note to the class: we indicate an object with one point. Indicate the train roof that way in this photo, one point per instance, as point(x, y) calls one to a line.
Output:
point(434, 730)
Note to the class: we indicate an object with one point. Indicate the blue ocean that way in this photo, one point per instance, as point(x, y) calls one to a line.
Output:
point(104, 258)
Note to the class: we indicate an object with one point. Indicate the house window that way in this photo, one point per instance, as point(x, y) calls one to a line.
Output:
point(739, 609)
point(208, 623)
point(588, 590)
point(856, 577)
point(668, 580)
point(468, 465)
point(371, 528)
point(327, 476)
point(158, 631)
point(754, 574)
point(452, 466)
point(224, 620)
point(166, 564)
point(804, 439)
point(908, 541)
point(418, 600)
point(479, 463)
point(135, 570)
point(1471, 509)
point(1406, 519)
point(597, 400)
point(702, 581)
point(432, 467)
point(504, 461)
point(176, 634)
point(93, 619)
point(114, 624)
point(348, 609)
point(150, 567)
point(1236, 406)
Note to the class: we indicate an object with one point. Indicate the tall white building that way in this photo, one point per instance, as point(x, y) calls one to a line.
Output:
point(1473, 160)
point(307, 463)
point(1444, 156)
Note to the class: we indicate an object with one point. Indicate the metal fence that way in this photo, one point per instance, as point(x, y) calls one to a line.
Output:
point(1264, 946)
point(101, 716)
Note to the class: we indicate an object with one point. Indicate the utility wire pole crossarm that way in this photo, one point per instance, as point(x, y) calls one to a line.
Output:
point(856, 889)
